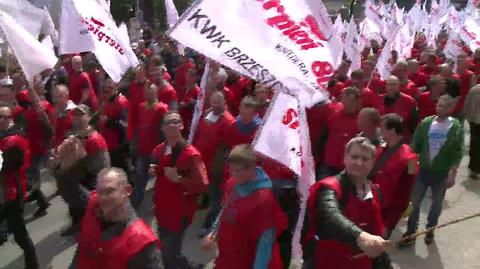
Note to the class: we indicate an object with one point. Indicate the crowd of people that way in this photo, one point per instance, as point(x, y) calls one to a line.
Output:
point(378, 146)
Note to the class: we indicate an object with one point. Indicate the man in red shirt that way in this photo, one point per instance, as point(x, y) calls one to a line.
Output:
point(368, 98)
point(63, 109)
point(39, 129)
point(240, 87)
point(415, 75)
point(111, 122)
point(261, 96)
point(407, 87)
point(341, 127)
point(394, 171)
point(150, 134)
point(342, 71)
point(367, 123)
point(187, 98)
point(13, 185)
point(242, 130)
point(181, 177)
point(467, 81)
point(112, 235)
point(75, 177)
point(81, 88)
point(401, 104)
point(136, 96)
point(210, 142)
point(166, 92)
point(7, 95)
point(427, 101)
point(430, 67)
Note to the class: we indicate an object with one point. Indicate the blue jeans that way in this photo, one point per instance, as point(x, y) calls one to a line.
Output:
point(38, 162)
point(438, 184)
point(141, 179)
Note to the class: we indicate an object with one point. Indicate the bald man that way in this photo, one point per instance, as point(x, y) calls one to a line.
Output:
point(111, 234)
point(397, 102)
point(81, 88)
point(406, 85)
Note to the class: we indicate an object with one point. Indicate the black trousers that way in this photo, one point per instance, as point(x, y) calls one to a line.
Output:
point(76, 213)
point(474, 164)
point(289, 201)
point(12, 212)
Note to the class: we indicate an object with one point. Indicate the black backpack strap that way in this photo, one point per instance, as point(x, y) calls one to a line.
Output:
point(384, 157)
point(176, 151)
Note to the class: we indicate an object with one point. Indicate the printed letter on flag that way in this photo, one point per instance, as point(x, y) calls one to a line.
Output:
point(257, 40)
point(32, 55)
point(88, 23)
point(279, 136)
point(470, 34)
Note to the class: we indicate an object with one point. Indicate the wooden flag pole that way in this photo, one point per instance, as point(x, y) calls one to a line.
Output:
point(414, 236)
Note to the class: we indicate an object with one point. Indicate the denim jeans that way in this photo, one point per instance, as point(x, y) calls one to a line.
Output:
point(172, 248)
point(141, 179)
point(438, 184)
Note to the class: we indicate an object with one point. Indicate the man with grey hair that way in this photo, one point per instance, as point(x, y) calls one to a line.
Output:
point(344, 216)
point(111, 232)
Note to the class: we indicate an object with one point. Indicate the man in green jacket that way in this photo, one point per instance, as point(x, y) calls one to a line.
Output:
point(438, 141)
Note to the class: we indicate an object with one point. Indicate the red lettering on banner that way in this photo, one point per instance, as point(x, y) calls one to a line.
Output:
point(95, 26)
point(291, 29)
point(290, 119)
point(323, 71)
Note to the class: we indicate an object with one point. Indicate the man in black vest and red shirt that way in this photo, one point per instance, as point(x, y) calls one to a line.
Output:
point(111, 234)
point(13, 184)
point(344, 216)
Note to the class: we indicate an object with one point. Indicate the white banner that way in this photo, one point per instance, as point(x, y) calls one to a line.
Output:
point(269, 41)
point(86, 26)
point(352, 46)
point(197, 114)
point(279, 136)
point(470, 33)
point(32, 56)
point(25, 14)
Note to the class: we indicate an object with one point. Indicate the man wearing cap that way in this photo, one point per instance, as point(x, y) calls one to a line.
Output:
point(7, 95)
point(112, 123)
point(75, 180)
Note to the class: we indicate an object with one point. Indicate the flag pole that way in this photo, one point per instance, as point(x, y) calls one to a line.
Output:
point(414, 236)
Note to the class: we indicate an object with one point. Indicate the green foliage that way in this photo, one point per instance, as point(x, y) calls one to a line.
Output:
point(122, 10)
point(181, 5)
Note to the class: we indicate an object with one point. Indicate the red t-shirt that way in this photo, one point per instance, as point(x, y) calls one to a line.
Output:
point(410, 89)
point(78, 83)
point(64, 125)
point(136, 95)
point(426, 105)
point(114, 110)
point(419, 78)
point(167, 95)
point(148, 128)
point(39, 145)
point(341, 128)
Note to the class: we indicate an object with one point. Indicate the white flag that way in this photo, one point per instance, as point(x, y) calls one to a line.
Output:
point(270, 42)
point(279, 136)
point(25, 14)
point(172, 18)
point(197, 114)
point(88, 27)
point(470, 33)
point(384, 68)
point(403, 42)
point(352, 46)
point(453, 46)
point(32, 56)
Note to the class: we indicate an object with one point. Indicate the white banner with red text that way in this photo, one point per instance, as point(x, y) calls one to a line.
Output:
point(268, 41)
